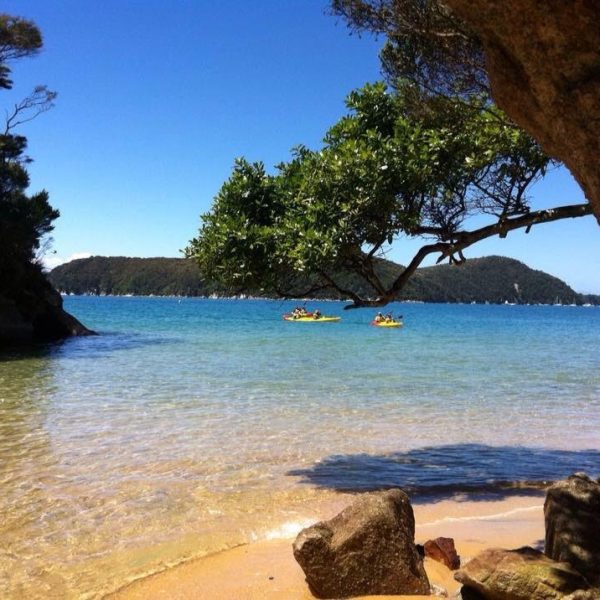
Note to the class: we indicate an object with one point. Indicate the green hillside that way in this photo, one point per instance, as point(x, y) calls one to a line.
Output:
point(492, 279)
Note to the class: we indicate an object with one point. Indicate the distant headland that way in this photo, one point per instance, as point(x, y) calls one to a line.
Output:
point(492, 279)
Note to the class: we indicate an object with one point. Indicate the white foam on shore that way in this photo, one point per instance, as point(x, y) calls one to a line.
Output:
point(289, 529)
point(493, 517)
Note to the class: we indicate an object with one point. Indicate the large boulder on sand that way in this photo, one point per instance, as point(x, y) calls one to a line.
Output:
point(366, 549)
point(572, 515)
point(523, 574)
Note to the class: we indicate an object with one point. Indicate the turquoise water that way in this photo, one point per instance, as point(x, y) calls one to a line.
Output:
point(192, 425)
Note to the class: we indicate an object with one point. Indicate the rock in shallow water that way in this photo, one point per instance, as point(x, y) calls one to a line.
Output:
point(572, 516)
point(367, 549)
point(523, 574)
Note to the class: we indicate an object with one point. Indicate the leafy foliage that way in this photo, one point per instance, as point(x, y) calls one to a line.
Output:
point(18, 38)
point(398, 164)
point(119, 275)
point(24, 220)
point(425, 44)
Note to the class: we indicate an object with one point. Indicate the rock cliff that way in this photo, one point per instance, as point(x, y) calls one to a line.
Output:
point(33, 312)
point(543, 61)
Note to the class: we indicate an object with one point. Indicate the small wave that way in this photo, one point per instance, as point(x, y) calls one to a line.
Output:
point(288, 530)
point(492, 517)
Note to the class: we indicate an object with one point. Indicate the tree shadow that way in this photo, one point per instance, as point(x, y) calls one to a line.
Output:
point(458, 471)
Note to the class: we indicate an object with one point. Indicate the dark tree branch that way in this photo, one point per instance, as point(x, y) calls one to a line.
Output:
point(464, 239)
point(343, 291)
point(291, 295)
point(38, 102)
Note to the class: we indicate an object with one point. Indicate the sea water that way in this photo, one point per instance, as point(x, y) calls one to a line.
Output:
point(192, 425)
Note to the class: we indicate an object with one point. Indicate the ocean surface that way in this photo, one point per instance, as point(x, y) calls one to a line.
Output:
point(193, 425)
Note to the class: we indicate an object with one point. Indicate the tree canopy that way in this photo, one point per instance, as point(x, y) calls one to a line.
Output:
point(539, 58)
point(24, 219)
point(400, 163)
point(425, 43)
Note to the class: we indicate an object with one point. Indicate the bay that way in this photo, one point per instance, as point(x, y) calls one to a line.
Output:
point(193, 425)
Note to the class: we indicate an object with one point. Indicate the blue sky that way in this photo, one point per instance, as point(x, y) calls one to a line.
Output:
point(157, 98)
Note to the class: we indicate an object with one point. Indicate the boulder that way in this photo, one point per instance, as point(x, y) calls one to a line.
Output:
point(32, 312)
point(442, 550)
point(572, 516)
point(523, 574)
point(366, 549)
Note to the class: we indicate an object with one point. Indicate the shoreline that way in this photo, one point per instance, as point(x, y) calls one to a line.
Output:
point(267, 569)
point(303, 299)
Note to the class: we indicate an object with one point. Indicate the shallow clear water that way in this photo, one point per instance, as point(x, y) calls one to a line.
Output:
point(193, 425)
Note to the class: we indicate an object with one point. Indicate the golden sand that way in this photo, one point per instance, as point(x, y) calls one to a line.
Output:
point(267, 569)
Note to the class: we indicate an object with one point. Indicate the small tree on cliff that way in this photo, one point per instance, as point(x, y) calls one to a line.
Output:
point(24, 220)
point(405, 163)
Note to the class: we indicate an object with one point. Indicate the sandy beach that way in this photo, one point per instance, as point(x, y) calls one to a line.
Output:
point(267, 569)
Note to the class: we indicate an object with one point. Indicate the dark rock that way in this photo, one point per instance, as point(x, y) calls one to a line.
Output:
point(466, 593)
point(442, 550)
point(33, 312)
point(572, 516)
point(366, 549)
point(523, 574)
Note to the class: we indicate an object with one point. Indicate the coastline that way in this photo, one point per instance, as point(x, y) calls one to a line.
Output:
point(267, 569)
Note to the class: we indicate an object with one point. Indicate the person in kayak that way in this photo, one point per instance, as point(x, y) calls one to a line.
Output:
point(317, 314)
point(378, 317)
point(298, 312)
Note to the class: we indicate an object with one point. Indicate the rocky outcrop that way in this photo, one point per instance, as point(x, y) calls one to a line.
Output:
point(584, 595)
point(572, 518)
point(543, 61)
point(366, 549)
point(33, 312)
point(523, 574)
point(443, 551)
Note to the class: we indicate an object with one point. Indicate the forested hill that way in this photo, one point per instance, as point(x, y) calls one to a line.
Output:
point(492, 279)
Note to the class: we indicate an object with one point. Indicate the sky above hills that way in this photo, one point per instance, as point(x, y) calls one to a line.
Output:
point(158, 97)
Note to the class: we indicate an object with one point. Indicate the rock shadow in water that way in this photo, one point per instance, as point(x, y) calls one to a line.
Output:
point(96, 346)
point(459, 471)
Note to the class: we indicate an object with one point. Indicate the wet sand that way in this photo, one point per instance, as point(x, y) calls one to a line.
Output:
point(267, 569)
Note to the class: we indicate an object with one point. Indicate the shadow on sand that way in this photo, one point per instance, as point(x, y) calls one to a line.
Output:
point(460, 471)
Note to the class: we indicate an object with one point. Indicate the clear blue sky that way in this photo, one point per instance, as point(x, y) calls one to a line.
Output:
point(157, 98)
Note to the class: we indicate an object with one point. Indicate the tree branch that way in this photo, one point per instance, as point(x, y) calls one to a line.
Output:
point(344, 292)
point(38, 102)
point(464, 239)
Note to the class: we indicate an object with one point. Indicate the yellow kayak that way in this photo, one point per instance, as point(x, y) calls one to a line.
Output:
point(322, 319)
point(389, 324)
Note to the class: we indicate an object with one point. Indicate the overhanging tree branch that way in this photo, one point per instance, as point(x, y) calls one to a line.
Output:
point(464, 239)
